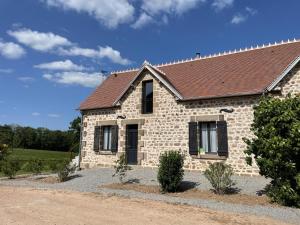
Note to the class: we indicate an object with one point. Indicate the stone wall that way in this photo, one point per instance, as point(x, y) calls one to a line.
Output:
point(167, 127)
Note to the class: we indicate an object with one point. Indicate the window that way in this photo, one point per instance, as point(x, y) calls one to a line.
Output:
point(147, 97)
point(107, 135)
point(106, 138)
point(208, 136)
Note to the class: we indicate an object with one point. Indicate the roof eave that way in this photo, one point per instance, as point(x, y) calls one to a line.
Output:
point(283, 74)
point(222, 96)
point(97, 108)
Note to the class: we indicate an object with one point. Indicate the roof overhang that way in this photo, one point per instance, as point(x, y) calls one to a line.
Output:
point(157, 74)
point(283, 74)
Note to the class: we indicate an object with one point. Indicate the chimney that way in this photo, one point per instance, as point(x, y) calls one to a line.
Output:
point(198, 55)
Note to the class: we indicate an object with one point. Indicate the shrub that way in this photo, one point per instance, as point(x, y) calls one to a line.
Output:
point(10, 167)
point(219, 176)
point(35, 166)
point(3, 151)
point(121, 168)
point(170, 171)
point(64, 170)
point(276, 147)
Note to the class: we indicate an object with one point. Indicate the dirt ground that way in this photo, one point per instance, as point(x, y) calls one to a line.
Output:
point(196, 194)
point(22, 206)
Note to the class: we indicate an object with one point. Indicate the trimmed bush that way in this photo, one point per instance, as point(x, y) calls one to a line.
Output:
point(121, 168)
point(276, 147)
point(35, 166)
point(170, 171)
point(10, 167)
point(219, 176)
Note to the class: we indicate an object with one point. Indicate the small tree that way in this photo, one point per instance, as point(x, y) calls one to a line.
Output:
point(121, 168)
point(3, 151)
point(170, 171)
point(35, 166)
point(219, 176)
point(276, 147)
point(10, 167)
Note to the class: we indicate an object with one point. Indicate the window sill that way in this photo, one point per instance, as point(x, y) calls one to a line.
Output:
point(103, 152)
point(209, 156)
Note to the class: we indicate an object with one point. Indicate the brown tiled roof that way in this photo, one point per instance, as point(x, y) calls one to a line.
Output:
point(241, 73)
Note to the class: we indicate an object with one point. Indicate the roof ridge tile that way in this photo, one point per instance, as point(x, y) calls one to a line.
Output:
point(229, 52)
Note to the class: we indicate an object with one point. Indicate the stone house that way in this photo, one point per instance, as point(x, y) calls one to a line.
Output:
point(202, 107)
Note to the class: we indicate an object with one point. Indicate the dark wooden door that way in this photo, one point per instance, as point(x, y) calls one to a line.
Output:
point(131, 143)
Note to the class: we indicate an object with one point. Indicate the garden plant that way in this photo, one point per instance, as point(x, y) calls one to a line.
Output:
point(276, 147)
point(170, 171)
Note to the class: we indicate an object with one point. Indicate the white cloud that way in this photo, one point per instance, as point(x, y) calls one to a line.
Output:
point(26, 79)
point(35, 114)
point(251, 11)
point(110, 13)
point(53, 115)
point(46, 42)
point(66, 65)
point(154, 7)
point(142, 21)
point(102, 52)
point(219, 5)
point(113, 55)
point(11, 50)
point(6, 70)
point(238, 18)
point(76, 78)
point(38, 40)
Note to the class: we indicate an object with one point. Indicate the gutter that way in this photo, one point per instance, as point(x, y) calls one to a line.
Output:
point(219, 97)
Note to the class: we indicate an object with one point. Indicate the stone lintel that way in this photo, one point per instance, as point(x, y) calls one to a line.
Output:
point(207, 118)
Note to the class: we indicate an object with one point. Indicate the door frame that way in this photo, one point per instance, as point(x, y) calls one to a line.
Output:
point(140, 122)
point(127, 144)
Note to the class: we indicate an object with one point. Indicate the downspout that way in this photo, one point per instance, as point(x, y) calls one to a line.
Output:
point(80, 141)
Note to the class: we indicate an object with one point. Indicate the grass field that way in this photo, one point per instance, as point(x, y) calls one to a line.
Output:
point(25, 155)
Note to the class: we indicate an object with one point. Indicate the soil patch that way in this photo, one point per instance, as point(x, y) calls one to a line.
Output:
point(22, 206)
point(195, 194)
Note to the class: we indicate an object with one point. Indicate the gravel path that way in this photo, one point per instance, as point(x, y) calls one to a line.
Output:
point(90, 180)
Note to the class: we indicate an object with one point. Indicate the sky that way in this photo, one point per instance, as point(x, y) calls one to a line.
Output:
point(54, 53)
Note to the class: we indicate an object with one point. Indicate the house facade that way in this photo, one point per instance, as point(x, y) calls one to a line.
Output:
point(202, 107)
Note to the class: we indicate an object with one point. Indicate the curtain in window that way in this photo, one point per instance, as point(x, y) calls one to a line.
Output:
point(107, 138)
point(213, 137)
point(204, 136)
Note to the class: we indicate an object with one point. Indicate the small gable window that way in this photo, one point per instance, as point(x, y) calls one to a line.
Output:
point(147, 97)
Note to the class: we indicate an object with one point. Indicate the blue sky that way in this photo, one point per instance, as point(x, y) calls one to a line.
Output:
point(52, 52)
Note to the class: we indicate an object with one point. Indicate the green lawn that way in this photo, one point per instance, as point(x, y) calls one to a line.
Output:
point(25, 155)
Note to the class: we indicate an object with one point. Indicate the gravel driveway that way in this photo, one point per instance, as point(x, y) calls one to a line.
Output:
point(90, 180)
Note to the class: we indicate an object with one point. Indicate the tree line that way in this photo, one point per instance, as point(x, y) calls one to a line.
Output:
point(41, 138)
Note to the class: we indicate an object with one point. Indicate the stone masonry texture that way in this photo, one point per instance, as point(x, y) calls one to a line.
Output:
point(167, 127)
